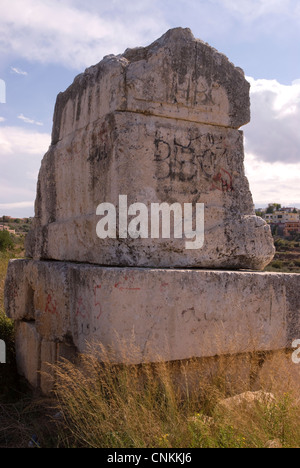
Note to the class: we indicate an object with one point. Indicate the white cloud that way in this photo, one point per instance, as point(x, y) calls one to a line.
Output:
point(18, 71)
point(22, 209)
point(239, 21)
point(272, 12)
point(2, 119)
point(30, 121)
point(272, 142)
point(21, 152)
point(75, 34)
point(16, 140)
point(273, 182)
point(253, 9)
point(273, 134)
point(9, 206)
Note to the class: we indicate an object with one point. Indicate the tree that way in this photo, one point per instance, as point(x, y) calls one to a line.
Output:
point(6, 241)
point(272, 207)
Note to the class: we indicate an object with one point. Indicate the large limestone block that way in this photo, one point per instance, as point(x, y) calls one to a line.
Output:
point(150, 162)
point(158, 125)
point(166, 314)
point(177, 76)
point(28, 352)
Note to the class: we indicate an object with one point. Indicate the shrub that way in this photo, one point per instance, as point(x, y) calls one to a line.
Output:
point(6, 241)
point(278, 264)
point(7, 331)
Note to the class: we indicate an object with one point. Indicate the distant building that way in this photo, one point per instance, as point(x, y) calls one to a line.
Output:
point(291, 228)
point(286, 220)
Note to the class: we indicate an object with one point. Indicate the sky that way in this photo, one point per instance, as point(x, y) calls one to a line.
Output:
point(44, 44)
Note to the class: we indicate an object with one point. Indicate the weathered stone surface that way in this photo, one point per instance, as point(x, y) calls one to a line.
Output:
point(28, 351)
point(274, 444)
point(170, 314)
point(238, 410)
point(158, 124)
point(246, 402)
point(177, 76)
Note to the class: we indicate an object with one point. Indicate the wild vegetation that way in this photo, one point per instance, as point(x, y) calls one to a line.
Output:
point(105, 405)
point(8, 373)
point(148, 406)
point(20, 225)
point(287, 257)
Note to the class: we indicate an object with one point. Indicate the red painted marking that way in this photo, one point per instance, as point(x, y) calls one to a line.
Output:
point(51, 306)
point(163, 286)
point(223, 180)
point(97, 304)
point(81, 310)
point(122, 287)
point(13, 291)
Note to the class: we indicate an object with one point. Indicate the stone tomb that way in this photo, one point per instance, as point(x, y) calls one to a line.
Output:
point(158, 125)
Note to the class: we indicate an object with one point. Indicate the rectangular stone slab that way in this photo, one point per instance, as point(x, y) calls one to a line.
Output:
point(158, 124)
point(166, 313)
point(150, 161)
point(177, 76)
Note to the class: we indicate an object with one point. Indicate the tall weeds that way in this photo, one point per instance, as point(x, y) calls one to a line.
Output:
point(111, 406)
point(107, 405)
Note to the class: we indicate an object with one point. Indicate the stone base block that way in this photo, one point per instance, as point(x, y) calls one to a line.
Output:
point(142, 314)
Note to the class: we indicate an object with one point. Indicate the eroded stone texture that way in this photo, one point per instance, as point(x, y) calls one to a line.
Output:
point(158, 124)
point(177, 76)
point(166, 314)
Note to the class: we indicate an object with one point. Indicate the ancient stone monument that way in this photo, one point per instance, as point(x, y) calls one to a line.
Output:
point(159, 125)
point(154, 129)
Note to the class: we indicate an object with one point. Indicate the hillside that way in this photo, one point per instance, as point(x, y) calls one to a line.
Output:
point(287, 257)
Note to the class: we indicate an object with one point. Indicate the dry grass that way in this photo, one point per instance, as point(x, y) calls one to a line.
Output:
point(4, 259)
point(147, 406)
point(8, 374)
point(110, 406)
point(156, 406)
point(29, 422)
